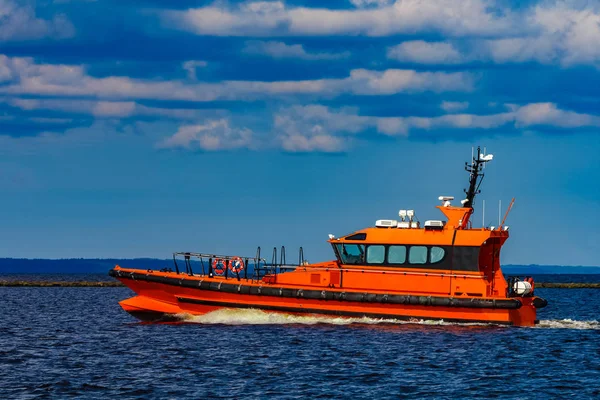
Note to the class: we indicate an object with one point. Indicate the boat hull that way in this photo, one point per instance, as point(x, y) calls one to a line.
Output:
point(164, 295)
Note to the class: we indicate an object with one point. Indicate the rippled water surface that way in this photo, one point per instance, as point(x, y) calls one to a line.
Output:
point(77, 342)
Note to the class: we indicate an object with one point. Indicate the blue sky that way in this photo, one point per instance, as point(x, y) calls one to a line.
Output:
point(138, 128)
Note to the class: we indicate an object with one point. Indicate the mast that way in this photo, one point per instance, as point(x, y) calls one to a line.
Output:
point(476, 177)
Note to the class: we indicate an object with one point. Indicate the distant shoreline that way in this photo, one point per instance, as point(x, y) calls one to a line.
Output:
point(103, 265)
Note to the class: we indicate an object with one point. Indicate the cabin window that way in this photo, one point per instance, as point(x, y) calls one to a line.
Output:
point(436, 254)
point(397, 254)
point(465, 258)
point(417, 255)
point(375, 254)
point(351, 253)
point(357, 236)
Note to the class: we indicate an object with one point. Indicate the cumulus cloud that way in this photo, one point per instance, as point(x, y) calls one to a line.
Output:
point(274, 18)
point(392, 81)
point(297, 127)
point(370, 3)
point(572, 33)
point(210, 136)
point(454, 106)
point(104, 109)
point(550, 114)
point(316, 141)
point(314, 128)
point(18, 22)
point(99, 132)
point(6, 73)
point(282, 50)
point(113, 108)
point(557, 34)
point(191, 65)
point(318, 128)
point(30, 78)
point(421, 52)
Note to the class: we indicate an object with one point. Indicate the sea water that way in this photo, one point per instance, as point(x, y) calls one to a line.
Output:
point(77, 342)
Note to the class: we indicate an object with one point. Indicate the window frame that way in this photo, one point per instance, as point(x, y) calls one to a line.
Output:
point(447, 249)
point(341, 245)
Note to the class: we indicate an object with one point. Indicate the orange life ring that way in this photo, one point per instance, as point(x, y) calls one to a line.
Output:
point(218, 266)
point(236, 265)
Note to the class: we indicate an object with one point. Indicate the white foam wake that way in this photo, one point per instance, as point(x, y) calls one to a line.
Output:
point(568, 324)
point(259, 317)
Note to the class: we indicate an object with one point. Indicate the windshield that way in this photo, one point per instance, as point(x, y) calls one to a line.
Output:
point(351, 253)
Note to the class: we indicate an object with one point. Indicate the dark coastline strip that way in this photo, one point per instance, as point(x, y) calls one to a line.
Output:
point(553, 285)
point(59, 284)
point(22, 283)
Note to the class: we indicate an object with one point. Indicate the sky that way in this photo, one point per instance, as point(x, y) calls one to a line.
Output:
point(139, 128)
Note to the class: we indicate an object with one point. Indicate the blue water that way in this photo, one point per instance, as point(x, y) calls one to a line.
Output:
point(77, 342)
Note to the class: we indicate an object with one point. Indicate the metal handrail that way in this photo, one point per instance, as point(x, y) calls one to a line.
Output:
point(260, 266)
point(209, 255)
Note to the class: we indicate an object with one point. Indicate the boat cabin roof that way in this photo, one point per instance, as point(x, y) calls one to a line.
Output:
point(453, 231)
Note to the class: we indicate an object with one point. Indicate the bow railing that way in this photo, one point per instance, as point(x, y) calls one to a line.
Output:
point(234, 267)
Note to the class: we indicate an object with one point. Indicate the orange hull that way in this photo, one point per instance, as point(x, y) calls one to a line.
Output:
point(166, 296)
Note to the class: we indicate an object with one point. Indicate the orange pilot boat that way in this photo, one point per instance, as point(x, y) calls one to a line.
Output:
point(444, 270)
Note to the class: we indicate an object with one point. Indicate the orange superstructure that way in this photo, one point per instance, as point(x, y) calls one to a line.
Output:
point(397, 269)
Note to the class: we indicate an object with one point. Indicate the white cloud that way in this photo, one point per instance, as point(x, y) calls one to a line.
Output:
point(450, 17)
point(310, 128)
point(318, 118)
point(315, 128)
point(557, 34)
point(6, 73)
point(301, 128)
point(315, 142)
point(29, 78)
point(191, 65)
point(262, 7)
point(58, 121)
point(282, 50)
point(549, 114)
point(371, 3)
point(106, 109)
point(541, 49)
point(113, 108)
point(421, 52)
point(573, 34)
point(210, 136)
point(392, 81)
point(18, 22)
point(453, 106)
point(518, 50)
point(99, 132)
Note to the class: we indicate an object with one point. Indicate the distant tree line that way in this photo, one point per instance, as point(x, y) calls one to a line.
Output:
point(103, 265)
point(79, 265)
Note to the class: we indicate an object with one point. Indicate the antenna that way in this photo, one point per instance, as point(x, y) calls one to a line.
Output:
point(483, 216)
point(508, 210)
point(484, 152)
point(499, 210)
point(476, 176)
